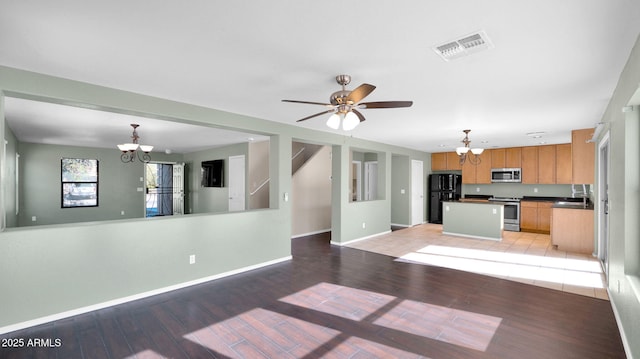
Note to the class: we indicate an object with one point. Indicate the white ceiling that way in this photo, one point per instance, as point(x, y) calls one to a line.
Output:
point(554, 66)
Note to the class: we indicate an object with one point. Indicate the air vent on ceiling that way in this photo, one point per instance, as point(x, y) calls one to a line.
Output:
point(464, 46)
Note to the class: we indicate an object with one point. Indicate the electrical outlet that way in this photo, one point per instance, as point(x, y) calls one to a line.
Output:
point(364, 225)
point(122, 213)
point(535, 190)
point(33, 218)
point(192, 259)
point(477, 189)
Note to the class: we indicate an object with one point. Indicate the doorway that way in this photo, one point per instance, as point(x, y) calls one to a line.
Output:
point(370, 180)
point(603, 209)
point(164, 189)
point(237, 183)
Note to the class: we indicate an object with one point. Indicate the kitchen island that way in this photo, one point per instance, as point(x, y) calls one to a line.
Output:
point(483, 220)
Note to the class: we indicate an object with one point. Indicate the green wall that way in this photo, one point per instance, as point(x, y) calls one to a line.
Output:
point(40, 186)
point(624, 198)
point(69, 268)
point(212, 199)
point(401, 180)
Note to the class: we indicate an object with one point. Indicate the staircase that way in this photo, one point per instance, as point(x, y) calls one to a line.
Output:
point(301, 153)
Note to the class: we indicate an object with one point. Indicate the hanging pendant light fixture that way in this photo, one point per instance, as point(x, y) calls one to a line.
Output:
point(463, 152)
point(132, 150)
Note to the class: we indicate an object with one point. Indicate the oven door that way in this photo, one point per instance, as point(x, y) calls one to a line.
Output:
point(512, 216)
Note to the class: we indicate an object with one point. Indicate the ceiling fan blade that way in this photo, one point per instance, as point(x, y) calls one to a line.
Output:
point(360, 92)
point(359, 114)
point(309, 102)
point(317, 114)
point(386, 104)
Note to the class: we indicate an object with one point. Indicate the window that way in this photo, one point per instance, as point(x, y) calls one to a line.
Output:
point(79, 182)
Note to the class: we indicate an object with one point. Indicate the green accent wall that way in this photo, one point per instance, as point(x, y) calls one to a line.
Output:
point(40, 185)
point(51, 269)
point(401, 180)
point(624, 199)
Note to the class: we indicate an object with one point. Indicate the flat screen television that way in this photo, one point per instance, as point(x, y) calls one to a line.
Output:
point(213, 173)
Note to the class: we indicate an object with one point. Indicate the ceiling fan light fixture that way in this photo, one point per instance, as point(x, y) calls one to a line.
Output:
point(334, 121)
point(350, 121)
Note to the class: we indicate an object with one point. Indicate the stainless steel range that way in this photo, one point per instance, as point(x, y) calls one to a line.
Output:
point(511, 212)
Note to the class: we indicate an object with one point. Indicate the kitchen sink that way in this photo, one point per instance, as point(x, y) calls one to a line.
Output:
point(570, 204)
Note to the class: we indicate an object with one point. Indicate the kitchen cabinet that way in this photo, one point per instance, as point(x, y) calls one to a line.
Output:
point(563, 164)
point(535, 216)
point(445, 161)
point(583, 156)
point(498, 157)
point(546, 164)
point(512, 158)
point(480, 173)
point(506, 157)
point(439, 161)
point(572, 230)
point(529, 165)
point(453, 161)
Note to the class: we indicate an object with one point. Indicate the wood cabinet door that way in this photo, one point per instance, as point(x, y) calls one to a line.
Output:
point(547, 164)
point(453, 161)
point(563, 164)
point(528, 216)
point(529, 164)
point(544, 216)
point(498, 158)
point(439, 161)
point(468, 173)
point(483, 170)
point(583, 156)
point(513, 157)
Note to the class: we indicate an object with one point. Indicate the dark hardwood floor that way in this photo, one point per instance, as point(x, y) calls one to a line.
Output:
point(338, 303)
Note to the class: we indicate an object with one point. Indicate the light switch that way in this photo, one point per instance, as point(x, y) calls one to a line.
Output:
point(402, 191)
point(495, 211)
point(446, 208)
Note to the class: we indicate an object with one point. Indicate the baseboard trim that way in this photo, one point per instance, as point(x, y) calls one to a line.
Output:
point(623, 336)
point(131, 298)
point(359, 239)
point(401, 225)
point(311, 233)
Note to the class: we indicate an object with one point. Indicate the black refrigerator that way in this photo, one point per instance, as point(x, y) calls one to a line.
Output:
point(442, 187)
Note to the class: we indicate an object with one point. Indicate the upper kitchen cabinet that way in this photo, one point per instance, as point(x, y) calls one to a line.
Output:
point(445, 161)
point(529, 165)
point(506, 157)
point(439, 161)
point(547, 164)
point(480, 173)
point(583, 156)
point(563, 164)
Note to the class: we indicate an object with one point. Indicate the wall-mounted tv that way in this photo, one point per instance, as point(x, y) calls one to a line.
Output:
point(213, 173)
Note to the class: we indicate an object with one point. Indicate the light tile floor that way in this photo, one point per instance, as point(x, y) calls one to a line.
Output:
point(520, 256)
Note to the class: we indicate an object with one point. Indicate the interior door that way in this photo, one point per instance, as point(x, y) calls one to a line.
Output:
point(417, 192)
point(370, 180)
point(236, 183)
point(603, 210)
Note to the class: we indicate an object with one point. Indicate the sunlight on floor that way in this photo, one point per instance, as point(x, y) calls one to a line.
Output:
point(576, 272)
point(453, 326)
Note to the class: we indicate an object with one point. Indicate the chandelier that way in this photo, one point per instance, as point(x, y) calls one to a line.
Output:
point(132, 150)
point(463, 152)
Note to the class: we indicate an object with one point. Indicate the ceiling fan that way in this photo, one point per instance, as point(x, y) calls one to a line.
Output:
point(344, 105)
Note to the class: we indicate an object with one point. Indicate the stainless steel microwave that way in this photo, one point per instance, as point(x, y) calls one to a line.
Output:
point(506, 175)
